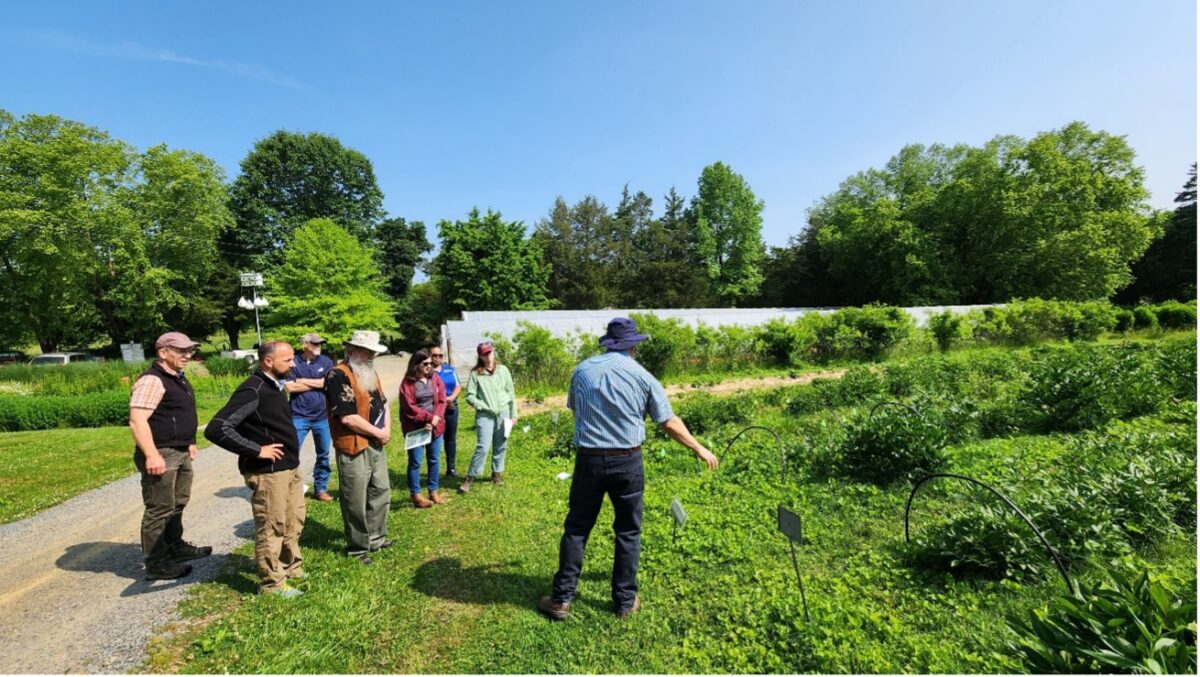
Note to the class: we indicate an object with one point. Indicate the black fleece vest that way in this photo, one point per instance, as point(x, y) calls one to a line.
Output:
point(173, 423)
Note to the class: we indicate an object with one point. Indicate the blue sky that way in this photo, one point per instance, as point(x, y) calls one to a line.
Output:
point(508, 105)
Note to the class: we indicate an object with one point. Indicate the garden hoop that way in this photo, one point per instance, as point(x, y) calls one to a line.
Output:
point(1007, 501)
point(778, 443)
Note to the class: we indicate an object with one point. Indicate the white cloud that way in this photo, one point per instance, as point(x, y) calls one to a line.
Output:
point(132, 50)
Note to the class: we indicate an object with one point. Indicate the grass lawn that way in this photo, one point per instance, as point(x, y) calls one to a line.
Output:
point(457, 593)
point(41, 468)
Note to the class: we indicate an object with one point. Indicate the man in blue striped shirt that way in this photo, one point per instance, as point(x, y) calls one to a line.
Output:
point(611, 395)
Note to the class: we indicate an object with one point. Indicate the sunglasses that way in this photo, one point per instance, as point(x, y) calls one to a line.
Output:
point(426, 364)
point(436, 355)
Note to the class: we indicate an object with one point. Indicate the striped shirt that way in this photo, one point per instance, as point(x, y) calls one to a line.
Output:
point(611, 395)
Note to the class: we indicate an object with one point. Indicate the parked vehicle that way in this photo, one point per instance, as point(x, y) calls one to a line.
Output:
point(13, 357)
point(54, 359)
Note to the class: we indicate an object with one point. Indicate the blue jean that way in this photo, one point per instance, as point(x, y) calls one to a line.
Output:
point(432, 452)
point(623, 479)
point(322, 440)
point(451, 437)
point(489, 431)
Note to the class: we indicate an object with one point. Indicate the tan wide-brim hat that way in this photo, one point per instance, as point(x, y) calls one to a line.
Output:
point(367, 339)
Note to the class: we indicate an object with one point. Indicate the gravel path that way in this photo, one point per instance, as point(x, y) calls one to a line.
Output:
point(73, 597)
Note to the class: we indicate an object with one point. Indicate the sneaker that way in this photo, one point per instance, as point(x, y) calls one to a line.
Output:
point(363, 557)
point(498, 479)
point(633, 608)
point(555, 610)
point(185, 551)
point(285, 591)
point(323, 496)
point(466, 485)
point(451, 474)
point(387, 543)
point(167, 570)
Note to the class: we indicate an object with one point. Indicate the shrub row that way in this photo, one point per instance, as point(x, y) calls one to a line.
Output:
point(1117, 491)
point(75, 379)
point(94, 410)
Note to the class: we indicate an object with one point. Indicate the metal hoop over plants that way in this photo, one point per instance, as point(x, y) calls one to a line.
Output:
point(1062, 569)
point(893, 403)
point(778, 443)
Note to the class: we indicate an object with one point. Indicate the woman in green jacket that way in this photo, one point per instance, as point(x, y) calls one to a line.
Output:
point(490, 391)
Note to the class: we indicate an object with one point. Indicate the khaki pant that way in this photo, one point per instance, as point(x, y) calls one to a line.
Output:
point(164, 497)
point(278, 505)
point(365, 495)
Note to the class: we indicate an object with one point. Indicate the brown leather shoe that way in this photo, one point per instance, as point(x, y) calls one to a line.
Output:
point(498, 479)
point(323, 497)
point(437, 498)
point(633, 609)
point(420, 501)
point(555, 610)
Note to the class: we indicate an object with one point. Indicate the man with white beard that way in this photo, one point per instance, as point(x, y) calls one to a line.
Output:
point(361, 425)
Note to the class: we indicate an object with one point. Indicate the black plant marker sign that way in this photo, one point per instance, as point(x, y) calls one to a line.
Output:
point(790, 526)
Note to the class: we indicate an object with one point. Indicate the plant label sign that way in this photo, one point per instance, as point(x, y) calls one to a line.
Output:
point(251, 279)
point(677, 512)
point(789, 525)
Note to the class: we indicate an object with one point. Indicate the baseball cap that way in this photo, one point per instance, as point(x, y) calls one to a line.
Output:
point(174, 339)
point(312, 337)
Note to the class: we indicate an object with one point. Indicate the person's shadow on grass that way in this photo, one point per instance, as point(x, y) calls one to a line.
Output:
point(446, 578)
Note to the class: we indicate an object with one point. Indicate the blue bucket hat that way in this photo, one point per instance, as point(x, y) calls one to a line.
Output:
point(622, 334)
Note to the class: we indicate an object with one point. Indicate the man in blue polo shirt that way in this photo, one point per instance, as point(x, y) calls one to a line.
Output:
point(306, 385)
point(611, 395)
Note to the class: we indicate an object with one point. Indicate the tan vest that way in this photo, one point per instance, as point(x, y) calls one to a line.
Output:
point(345, 440)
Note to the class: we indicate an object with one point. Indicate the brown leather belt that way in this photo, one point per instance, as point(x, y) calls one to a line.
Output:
point(609, 452)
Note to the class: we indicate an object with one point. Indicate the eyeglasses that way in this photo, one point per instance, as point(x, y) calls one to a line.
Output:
point(426, 364)
point(436, 355)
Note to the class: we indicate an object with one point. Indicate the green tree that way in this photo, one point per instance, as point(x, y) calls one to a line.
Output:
point(290, 178)
point(584, 246)
point(421, 317)
point(1168, 269)
point(727, 218)
point(400, 245)
point(287, 179)
point(328, 282)
point(664, 268)
point(485, 263)
point(1061, 215)
point(114, 241)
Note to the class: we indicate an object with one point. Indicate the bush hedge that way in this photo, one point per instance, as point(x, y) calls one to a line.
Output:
point(36, 412)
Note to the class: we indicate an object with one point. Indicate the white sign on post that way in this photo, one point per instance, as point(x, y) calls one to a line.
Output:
point(251, 279)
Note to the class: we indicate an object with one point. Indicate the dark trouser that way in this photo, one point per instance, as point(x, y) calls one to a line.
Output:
point(451, 438)
point(165, 496)
point(622, 478)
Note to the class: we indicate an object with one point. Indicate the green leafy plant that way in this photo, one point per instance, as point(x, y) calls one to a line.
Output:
point(893, 444)
point(1129, 623)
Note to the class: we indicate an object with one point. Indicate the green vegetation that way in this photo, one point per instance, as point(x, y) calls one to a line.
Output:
point(39, 470)
point(723, 597)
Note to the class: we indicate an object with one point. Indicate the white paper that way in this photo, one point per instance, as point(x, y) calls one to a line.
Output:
point(508, 426)
point(417, 438)
point(563, 476)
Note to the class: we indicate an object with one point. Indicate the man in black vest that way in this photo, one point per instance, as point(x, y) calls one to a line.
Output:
point(162, 415)
point(256, 424)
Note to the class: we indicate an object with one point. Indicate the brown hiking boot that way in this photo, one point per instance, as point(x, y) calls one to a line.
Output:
point(633, 608)
point(466, 485)
point(420, 501)
point(498, 479)
point(555, 610)
point(436, 498)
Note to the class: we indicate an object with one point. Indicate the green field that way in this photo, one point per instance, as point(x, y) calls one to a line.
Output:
point(457, 594)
